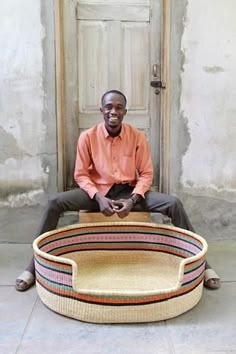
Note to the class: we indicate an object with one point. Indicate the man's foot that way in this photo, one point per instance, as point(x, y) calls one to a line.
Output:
point(25, 281)
point(211, 279)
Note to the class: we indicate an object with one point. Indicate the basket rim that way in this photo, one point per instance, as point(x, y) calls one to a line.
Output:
point(75, 279)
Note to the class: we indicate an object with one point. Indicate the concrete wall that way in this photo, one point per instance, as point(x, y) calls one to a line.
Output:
point(203, 113)
point(203, 108)
point(27, 102)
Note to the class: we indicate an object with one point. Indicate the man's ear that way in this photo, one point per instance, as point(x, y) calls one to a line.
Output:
point(125, 111)
point(101, 109)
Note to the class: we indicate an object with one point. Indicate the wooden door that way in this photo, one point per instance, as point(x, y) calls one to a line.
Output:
point(118, 47)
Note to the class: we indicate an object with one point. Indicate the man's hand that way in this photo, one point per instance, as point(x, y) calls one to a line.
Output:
point(122, 207)
point(105, 205)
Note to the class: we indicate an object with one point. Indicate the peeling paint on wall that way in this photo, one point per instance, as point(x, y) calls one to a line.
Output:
point(19, 172)
point(213, 69)
point(30, 198)
point(208, 99)
point(27, 145)
point(8, 146)
point(178, 121)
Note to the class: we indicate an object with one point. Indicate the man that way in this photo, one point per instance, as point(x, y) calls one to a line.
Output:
point(114, 173)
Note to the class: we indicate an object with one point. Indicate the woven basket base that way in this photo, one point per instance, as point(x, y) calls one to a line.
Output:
point(125, 270)
point(120, 314)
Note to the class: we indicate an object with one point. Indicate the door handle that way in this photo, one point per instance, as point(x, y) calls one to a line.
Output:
point(156, 84)
point(154, 70)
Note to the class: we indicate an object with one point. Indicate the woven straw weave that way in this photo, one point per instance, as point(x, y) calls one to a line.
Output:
point(120, 272)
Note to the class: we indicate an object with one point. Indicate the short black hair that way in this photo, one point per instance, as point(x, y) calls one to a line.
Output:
point(114, 91)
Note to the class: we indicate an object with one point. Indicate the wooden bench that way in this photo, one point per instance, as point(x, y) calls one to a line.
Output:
point(88, 216)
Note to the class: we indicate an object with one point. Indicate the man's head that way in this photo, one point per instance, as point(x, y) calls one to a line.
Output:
point(113, 110)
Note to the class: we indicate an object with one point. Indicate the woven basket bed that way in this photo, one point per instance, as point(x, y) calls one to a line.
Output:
point(120, 272)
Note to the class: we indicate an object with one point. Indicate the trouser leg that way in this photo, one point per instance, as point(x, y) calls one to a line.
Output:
point(73, 200)
point(172, 207)
point(167, 205)
point(156, 203)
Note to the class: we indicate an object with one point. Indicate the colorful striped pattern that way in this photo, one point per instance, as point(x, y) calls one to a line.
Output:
point(55, 275)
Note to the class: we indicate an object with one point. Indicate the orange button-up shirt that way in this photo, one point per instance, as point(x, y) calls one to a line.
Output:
point(103, 161)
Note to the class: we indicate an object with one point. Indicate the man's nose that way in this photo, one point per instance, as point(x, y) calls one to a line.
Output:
point(113, 110)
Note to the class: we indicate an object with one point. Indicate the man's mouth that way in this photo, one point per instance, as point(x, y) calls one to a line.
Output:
point(113, 119)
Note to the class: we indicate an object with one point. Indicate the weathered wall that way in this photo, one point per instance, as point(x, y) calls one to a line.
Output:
point(203, 108)
point(203, 113)
point(27, 102)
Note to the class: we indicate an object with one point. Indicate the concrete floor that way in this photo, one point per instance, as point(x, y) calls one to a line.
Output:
point(27, 326)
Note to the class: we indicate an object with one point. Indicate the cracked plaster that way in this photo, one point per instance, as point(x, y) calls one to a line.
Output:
point(27, 102)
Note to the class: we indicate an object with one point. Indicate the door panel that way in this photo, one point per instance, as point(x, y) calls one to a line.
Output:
point(92, 64)
point(113, 12)
point(135, 71)
point(118, 43)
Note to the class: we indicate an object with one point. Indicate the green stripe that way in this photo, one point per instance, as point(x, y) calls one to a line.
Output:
point(55, 285)
point(56, 237)
point(198, 265)
point(156, 245)
point(114, 297)
point(45, 265)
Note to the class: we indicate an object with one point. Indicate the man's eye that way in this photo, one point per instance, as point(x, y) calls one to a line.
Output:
point(109, 108)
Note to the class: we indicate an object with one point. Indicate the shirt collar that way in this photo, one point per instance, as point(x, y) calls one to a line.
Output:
point(106, 134)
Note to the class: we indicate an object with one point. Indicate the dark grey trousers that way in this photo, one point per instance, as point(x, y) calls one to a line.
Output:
point(77, 199)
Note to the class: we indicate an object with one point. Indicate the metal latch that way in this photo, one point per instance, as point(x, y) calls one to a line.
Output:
point(157, 84)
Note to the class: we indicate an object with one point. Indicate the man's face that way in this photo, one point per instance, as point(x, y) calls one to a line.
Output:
point(113, 110)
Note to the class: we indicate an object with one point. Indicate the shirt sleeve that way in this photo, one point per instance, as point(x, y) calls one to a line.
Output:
point(144, 166)
point(82, 165)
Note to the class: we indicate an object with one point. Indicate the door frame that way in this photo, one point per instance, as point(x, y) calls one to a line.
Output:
point(67, 90)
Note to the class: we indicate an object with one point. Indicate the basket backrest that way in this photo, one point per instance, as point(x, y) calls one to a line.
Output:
point(122, 237)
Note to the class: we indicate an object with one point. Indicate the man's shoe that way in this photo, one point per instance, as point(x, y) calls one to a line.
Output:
point(25, 281)
point(211, 279)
